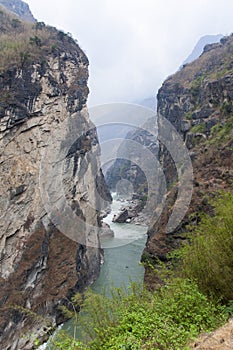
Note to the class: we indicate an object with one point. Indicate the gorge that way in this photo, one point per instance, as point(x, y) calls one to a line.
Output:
point(53, 193)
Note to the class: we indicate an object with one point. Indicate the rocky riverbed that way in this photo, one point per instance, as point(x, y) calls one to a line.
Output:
point(132, 211)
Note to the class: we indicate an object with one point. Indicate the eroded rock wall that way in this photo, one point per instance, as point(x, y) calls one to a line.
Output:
point(41, 266)
point(197, 102)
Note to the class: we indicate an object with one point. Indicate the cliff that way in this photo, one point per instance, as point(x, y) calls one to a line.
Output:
point(20, 8)
point(126, 167)
point(43, 115)
point(133, 173)
point(197, 103)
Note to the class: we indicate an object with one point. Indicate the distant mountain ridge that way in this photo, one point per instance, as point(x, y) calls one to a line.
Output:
point(199, 47)
point(20, 8)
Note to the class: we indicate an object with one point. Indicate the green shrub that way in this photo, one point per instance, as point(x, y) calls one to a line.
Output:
point(229, 308)
point(209, 257)
point(195, 87)
point(200, 128)
point(188, 115)
point(166, 319)
point(221, 132)
point(226, 108)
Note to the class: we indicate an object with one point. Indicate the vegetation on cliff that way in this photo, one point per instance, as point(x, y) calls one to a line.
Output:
point(213, 64)
point(209, 258)
point(197, 101)
point(29, 47)
point(23, 42)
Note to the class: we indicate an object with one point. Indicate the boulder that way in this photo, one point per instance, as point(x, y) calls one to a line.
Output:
point(121, 217)
point(106, 231)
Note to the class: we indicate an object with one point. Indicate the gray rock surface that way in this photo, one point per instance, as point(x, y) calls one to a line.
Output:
point(46, 256)
point(121, 217)
point(20, 8)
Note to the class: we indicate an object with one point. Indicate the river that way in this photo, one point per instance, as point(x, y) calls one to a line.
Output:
point(122, 255)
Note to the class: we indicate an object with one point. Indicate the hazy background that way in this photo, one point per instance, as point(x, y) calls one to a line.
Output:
point(133, 45)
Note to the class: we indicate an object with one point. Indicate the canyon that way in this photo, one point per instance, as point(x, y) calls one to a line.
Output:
point(53, 192)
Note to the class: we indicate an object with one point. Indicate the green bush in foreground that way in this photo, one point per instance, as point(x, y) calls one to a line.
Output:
point(209, 257)
point(166, 319)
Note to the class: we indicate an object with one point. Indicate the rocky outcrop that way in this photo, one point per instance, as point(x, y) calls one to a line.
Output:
point(122, 216)
point(134, 176)
point(20, 8)
point(106, 231)
point(221, 339)
point(43, 262)
point(133, 212)
point(197, 102)
point(126, 166)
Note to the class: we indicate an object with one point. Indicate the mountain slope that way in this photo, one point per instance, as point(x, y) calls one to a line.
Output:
point(197, 101)
point(199, 47)
point(20, 8)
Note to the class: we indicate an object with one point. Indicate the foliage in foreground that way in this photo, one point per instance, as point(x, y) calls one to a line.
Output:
point(209, 257)
point(165, 319)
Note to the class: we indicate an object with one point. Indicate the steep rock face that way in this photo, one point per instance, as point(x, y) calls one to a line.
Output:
point(127, 168)
point(20, 8)
point(197, 101)
point(131, 173)
point(43, 102)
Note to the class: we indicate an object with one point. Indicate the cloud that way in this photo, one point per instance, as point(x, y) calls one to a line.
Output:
point(133, 45)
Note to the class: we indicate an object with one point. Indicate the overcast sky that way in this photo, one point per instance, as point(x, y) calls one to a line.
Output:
point(133, 45)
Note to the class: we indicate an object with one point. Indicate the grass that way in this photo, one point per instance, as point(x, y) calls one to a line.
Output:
point(209, 258)
point(166, 319)
point(221, 132)
point(199, 128)
point(22, 43)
